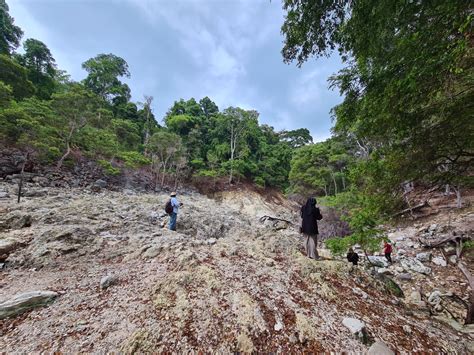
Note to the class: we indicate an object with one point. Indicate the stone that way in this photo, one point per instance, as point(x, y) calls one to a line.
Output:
point(453, 259)
point(390, 285)
point(407, 329)
point(154, 217)
point(439, 261)
point(107, 281)
point(380, 348)
point(7, 246)
point(16, 220)
point(401, 251)
point(405, 276)
point(278, 326)
point(356, 327)
point(433, 227)
point(415, 297)
point(4, 194)
point(384, 271)
point(152, 252)
point(423, 257)
point(378, 261)
point(415, 265)
point(100, 183)
point(211, 241)
point(25, 301)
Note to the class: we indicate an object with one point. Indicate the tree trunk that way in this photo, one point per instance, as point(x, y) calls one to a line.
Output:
point(20, 183)
point(458, 197)
point(60, 162)
point(447, 189)
point(335, 183)
point(343, 182)
point(470, 309)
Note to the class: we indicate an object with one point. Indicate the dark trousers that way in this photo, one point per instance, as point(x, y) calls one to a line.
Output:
point(388, 256)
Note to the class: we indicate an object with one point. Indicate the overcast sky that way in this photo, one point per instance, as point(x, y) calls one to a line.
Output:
point(228, 50)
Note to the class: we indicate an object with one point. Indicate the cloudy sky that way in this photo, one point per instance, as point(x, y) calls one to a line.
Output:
point(228, 50)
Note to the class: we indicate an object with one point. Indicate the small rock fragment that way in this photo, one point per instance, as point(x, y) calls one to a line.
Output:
point(108, 281)
point(380, 348)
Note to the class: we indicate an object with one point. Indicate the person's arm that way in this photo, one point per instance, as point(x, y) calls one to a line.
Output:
point(319, 216)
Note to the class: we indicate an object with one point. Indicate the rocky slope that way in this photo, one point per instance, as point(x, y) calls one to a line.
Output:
point(226, 281)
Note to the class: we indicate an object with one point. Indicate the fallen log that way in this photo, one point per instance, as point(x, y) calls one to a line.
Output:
point(274, 219)
point(412, 209)
point(440, 241)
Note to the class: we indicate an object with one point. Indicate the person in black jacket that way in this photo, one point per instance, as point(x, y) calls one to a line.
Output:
point(309, 226)
point(352, 257)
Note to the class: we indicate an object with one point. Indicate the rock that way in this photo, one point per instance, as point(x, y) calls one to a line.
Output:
point(108, 281)
point(278, 326)
point(423, 257)
point(390, 285)
point(357, 328)
point(34, 193)
point(380, 348)
point(407, 329)
point(433, 227)
point(25, 301)
point(16, 220)
point(439, 261)
point(378, 261)
point(453, 259)
point(415, 265)
point(152, 252)
point(405, 276)
point(154, 217)
point(211, 241)
point(7, 246)
point(399, 269)
point(415, 299)
point(384, 271)
point(100, 183)
point(401, 252)
point(4, 194)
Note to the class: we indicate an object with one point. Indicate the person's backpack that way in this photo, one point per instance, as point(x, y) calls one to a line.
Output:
point(169, 207)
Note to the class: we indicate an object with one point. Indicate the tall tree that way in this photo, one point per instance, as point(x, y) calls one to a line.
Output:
point(16, 76)
point(104, 72)
point(10, 34)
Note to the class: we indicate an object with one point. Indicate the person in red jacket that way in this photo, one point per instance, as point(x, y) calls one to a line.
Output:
point(387, 249)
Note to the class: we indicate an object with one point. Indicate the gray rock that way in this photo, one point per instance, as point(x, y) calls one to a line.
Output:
point(407, 329)
point(415, 265)
point(25, 301)
point(278, 326)
point(439, 261)
point(108, 281)
point(384, 271)
point(152, 252)
point(100, 183)
point(380, 348)
point(423, 257)
point(16, 220)
point(211, 241)
point(356, 327)
point(4, 194)
point(405, 276)
point(453, 259)
point(378, 261)
point(433, 227)
point(401, 252)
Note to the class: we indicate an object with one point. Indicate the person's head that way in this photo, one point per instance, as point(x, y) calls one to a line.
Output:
point(386, 243)
point(173, 194)
point(351, 250)
point(311, 201)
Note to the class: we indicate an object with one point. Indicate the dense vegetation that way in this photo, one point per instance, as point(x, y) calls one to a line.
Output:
point(408, 91)
point(53, 120)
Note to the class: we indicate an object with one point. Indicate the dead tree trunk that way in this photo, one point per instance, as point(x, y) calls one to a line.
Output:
point(20, 183)
point(470, 309)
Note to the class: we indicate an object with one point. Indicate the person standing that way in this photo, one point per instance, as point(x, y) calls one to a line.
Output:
point(310, 215)
point(353, 257)
point(387, 250)
point(174, 215)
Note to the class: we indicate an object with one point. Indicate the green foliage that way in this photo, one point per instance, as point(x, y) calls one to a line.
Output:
point(102, 79)
point(340, 246)
point(6, 95)
point(108, 168)
point(133, 159)
point(14, 75)
point(10, 34)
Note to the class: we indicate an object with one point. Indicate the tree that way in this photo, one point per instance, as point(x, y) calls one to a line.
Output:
point(407, 84)
point(102, 79)
point(164, 147)
point(10, 34)
point(14, 75)
point(74, 109)
point(296, 138)
point(41, 67)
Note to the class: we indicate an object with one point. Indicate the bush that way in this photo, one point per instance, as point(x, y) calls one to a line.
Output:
point(134, 159)
point(108, 168)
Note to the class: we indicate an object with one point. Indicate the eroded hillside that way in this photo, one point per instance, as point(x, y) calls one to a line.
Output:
point(224, 282)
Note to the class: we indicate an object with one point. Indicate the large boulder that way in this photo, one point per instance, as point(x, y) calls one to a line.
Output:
point(25, 301)
point(423, 257)
point(378, 261)
point(415, 265)
point(16, 220)
point(357, 328)
point(380, 348)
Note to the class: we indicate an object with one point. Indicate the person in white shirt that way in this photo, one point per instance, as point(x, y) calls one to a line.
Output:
point(174, 215)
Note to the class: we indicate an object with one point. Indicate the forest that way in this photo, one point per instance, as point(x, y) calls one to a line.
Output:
point(406, 115)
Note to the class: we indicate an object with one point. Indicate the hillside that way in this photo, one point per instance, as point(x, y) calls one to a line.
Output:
point(224, 282)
